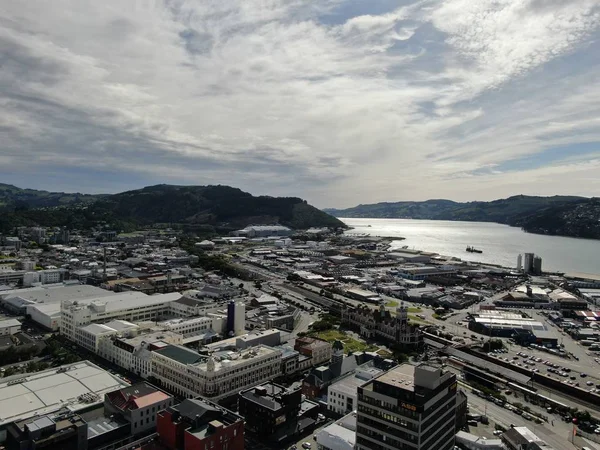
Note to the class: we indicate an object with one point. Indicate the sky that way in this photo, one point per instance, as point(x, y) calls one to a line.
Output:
point(339, 102)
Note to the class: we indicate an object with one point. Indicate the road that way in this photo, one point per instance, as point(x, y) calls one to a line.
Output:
point(556, 435)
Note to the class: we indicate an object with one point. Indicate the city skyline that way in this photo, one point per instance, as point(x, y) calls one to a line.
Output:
point(337, 102)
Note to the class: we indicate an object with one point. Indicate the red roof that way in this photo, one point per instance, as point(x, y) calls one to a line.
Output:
point(150, 399)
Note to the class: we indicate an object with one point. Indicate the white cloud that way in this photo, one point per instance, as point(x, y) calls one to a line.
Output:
point(270, 96)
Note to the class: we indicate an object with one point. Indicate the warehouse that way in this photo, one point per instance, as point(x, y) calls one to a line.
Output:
point(495, 323)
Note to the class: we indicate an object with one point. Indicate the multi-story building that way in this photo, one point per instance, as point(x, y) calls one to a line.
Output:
point(189, 374)
point(408, 407)
point(138, 405)
point(130, 306)
point(340, 435)
point(135, 353)
point(55, 431)
point(9, 327)
point(195, 326)
point(196, 424)
point(319, 351)
point(380, 324)
point(90, 336)
point(341, 395)
point(275, 412)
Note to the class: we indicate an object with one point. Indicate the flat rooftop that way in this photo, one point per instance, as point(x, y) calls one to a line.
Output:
point(47, 391)
point(57, 293)
point(129, 300)
point(402, 376)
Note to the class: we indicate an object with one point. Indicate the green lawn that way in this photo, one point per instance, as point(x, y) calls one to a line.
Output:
point(350, 344)
point(416, 319)
point(414, 309)
point(391, 304)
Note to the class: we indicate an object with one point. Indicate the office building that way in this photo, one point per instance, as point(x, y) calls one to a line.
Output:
point(275, 412)
point(528, 262)
point(89, 336)
point(408, 407)
point(199, 424)
point(317, 350)
point(537, 265)
point(236, 318)
point(519, 262)
point(223, 374)
point(138, 405)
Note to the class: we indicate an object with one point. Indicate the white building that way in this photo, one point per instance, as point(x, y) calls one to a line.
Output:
point(195, 326)
point(130, 306)
point(340, 435)
point(9, 327)
point(89, 336)
point(189, 374)
point(341, 395)
point(135, 353)
point(45, 314)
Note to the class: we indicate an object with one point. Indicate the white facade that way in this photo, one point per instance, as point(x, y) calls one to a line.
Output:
point(217, 377)
point(9, 327)
point(342, 395)
point(45, 314)
point(91, 335)
point(130, 306)
point(194, 326)
point(133, 354)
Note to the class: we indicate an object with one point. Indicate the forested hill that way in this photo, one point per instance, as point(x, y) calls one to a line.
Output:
point(558, 215)
point(213, 207)
point(12, 197)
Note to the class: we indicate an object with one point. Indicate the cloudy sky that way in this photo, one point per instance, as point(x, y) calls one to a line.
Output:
point(337, 101)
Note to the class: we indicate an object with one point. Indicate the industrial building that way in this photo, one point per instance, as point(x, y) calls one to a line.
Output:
point(199, 424)
point(70, 388)
point(517, 438)
point(409, 407)
point(256, 231)
point(496, 323)
point(9, 327)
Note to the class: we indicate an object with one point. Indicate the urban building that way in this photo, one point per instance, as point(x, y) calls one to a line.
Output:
point(9, 327)
point(236, 318)
point(522, 438)
point(138, 405)
point(70, 388)
point(341, 395)
point(528, 262)
point(340, 435)
point(222, 374)
point(199, 424)
point(135, 353)
point(317, 350)
point(130, 306)
point(409, 407)
point(89, 336)
point(66, 431)
point(276, 413)
point(195, 326)
point(383, 326)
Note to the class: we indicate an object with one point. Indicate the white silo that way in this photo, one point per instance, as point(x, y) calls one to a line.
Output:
point(239, 321)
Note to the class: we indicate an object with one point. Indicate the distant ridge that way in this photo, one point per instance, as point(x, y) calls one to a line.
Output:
point(206, 208)
point(557, 215)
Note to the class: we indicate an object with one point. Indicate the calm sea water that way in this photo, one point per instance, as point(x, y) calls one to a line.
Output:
point(500, 243)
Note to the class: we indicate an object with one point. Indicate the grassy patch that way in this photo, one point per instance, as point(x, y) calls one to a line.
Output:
point(416, 319)
point(391, 304)
point(414, 309)
point(350, 344)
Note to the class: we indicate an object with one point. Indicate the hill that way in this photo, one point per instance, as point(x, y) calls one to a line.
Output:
point(207, 208)
point(557, 215)
point(12, 197)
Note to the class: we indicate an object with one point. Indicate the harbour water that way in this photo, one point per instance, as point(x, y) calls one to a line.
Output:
point(500, 243)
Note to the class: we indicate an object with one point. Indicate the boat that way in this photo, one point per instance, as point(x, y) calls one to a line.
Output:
point(471, 249)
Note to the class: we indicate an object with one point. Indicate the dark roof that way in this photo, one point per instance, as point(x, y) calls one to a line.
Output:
point(180, 354)
point(188, 301)
point(271, 398)
point(196, 409)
